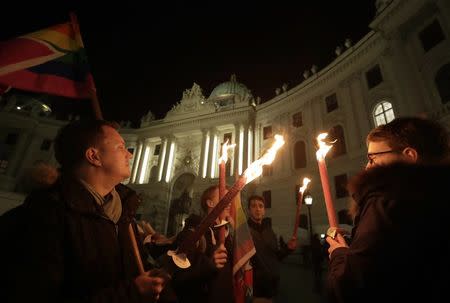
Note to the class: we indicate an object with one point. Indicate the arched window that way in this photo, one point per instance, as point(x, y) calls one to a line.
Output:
point(442, 81)
point(299, 155)
point(337, 133)
point(383, 113)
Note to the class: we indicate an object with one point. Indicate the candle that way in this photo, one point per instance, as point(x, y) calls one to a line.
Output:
point(222, 168)
point(252, 172)
point(137, 255)
point(320, 155)
point(222, 186)
point(299, 204)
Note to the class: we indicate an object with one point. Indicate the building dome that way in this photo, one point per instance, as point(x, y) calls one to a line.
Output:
point(230, 88)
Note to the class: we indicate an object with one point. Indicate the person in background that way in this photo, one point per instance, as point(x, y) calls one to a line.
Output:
point(220, 287)
point(267, 260)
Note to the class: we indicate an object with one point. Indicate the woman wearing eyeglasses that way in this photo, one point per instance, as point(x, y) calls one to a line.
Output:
point(400, 247)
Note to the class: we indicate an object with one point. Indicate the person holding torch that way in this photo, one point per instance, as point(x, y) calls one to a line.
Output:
point(399, 249)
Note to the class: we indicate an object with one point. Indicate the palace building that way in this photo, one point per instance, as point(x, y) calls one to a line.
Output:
point(400, 68)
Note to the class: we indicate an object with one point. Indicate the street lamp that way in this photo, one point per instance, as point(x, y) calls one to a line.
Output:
point(308, 201)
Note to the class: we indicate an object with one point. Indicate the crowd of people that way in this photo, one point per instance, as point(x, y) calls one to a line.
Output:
point(75, 240)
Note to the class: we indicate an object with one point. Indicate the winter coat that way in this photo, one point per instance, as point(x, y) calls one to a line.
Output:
point(400, 241)
point(267, 260)
point(72, 251)
point(191, 284)
point(220, 286)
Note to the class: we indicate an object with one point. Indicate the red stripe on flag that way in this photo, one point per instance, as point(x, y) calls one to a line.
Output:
point(22, 49)
point(244, 247)
point(49, 84)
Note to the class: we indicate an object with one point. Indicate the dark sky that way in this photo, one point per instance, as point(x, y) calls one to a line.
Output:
point(144, 58)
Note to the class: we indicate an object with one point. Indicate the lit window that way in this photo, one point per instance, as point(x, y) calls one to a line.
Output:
point(383, 113)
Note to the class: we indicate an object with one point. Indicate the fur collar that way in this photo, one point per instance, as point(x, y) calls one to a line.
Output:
point(400, 179)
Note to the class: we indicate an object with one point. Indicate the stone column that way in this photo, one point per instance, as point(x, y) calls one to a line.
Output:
point(162, 158)
point(203, 153)
point(251, 144)
point(211, 156)
point(142, 166)
point(360, 108)
point(136, 162)
point(167, 159)
point(236, 149)
point(245, 160)
point(352, 133)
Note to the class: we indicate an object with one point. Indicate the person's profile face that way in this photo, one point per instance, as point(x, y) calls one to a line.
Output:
point(115, 158)
point(380, 153)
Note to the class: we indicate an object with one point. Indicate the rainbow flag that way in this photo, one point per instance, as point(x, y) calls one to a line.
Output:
point(52, 60)
point(244, 249)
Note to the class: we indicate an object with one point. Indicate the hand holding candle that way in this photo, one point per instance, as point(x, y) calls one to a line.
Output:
point(300, 193)
point(252, 172)
point(320, 155)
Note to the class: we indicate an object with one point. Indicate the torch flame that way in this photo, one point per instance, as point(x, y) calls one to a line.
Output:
point(255, 169)
point(225, 147)
point(305, 185)
point(323, 146)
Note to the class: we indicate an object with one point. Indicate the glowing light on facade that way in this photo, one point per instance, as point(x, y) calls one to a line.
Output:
point(250, 146)
point(144, 165)
point(170, 161)
point(136, 162)
point(241, 150)
point(163, 158)
point(205, 158)
point(214, 157)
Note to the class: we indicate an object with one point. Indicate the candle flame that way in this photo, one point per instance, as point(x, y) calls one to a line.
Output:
point(305, 185)
point(323, 146)
point(225, 147)
point(255, 169)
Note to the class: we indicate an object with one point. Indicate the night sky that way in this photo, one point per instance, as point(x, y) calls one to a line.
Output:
point(144, 58)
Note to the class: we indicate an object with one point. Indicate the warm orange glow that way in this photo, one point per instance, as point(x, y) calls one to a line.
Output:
point(305, 185)
point(255, 169)
point(323, 146)
point(224, 157)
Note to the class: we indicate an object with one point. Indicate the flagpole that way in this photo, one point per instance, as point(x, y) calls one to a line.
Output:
point(96, 106)
point(93, 92)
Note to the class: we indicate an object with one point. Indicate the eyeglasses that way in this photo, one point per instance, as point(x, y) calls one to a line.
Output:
point(371, 158)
